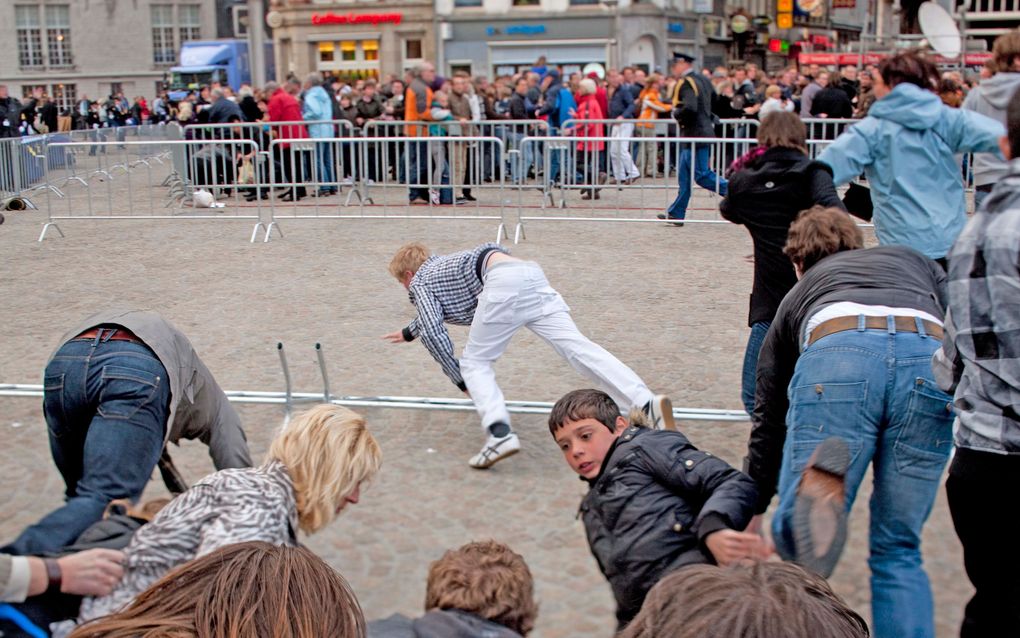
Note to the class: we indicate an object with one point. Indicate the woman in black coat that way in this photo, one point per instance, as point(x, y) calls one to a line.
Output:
point(768, 188)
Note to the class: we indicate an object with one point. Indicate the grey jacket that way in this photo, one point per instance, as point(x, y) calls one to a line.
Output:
point(991, 98)
point(451, 623)
point(198, 407)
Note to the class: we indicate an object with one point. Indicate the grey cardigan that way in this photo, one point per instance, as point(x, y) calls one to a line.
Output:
point(198, 407)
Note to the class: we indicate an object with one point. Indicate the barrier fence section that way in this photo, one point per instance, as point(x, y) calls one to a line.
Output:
point(499, 171)
point(119, 181)
point(434, 170)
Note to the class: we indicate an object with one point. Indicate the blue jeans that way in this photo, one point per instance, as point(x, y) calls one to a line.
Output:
point(418, 169)
point(325, 170)
point(106, 405)
point(750, 373)
point(703, 175)
point(874, 389)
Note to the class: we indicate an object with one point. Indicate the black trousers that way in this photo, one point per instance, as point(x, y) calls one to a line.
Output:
point(982, 490)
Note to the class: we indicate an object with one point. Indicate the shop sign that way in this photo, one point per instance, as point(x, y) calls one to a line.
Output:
point(844, 4)
point(675, 27)
point(374, 19)
point(517, 29)
point(969, 59)
point(703, 6)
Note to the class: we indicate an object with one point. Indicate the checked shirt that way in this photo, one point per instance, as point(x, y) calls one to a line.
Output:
point(445, 290)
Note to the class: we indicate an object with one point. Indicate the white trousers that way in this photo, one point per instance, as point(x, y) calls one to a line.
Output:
point(517, 295)
point(619, 152)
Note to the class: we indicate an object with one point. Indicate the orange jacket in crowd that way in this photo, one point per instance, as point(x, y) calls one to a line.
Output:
point(651, 105)
point(417, 108)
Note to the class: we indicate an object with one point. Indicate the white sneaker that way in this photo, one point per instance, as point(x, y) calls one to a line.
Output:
point(496, 449)
point(660, 413)
point(434, 196)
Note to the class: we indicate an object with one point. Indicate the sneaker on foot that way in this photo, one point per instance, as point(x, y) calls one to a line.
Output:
point(434, 197)
point(819, 513)
point(496, 449)
point(660, 412)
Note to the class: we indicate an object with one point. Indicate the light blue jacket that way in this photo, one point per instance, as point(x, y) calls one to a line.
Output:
point(316, 106)
point(906, 149)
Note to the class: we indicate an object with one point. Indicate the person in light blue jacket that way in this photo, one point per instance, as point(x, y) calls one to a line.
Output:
point(317, 106)
point(906, 148)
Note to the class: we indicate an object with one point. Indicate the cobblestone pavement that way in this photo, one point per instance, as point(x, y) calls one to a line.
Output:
point(670, 302)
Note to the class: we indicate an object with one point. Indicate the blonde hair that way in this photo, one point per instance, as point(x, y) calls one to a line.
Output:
point(773, 91)
point(185, 111)
point(328, 453)
point(588, 86)
point(409, 258)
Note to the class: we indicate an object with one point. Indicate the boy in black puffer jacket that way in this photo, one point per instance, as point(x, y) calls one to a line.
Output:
point(656, 503)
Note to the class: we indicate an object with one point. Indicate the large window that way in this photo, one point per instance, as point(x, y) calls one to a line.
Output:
point(412, 49)
point(58, 34)
point(30, 51)
point(33, 22)
point(467, 3)
point(66, 97)
point(163, 34)
point(190, 21)
point(526, 3)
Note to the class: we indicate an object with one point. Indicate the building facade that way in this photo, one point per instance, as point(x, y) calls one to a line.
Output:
point(351, 40)
point(500, 37)
point(91, 48)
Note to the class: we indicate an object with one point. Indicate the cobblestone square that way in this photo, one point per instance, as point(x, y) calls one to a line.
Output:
point(670, 302)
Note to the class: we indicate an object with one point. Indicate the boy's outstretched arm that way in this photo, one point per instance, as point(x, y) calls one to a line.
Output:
point(430, 327)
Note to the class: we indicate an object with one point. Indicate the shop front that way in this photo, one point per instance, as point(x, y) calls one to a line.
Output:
point(495, 46)
point(349, 44)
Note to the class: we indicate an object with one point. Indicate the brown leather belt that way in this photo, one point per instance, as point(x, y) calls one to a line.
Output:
point(119, 334)
point(842, 324)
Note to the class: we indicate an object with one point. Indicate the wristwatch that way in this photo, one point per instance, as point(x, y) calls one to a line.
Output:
point(53, 574)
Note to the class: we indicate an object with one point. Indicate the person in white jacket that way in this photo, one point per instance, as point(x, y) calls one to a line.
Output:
point(774, 102)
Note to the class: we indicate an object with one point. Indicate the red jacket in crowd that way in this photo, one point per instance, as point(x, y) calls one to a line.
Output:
point(284, 107)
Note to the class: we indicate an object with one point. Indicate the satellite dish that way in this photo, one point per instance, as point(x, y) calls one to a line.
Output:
point(940, 29)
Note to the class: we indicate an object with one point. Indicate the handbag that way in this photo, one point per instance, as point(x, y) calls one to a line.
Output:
point(246, 174)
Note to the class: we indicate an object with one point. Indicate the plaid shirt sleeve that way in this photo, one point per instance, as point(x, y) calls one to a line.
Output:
point(429, 326)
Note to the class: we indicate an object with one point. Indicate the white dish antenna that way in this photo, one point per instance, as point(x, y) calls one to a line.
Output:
point(940, 29)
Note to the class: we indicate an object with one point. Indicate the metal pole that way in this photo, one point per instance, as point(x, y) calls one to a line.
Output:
point(257, 41)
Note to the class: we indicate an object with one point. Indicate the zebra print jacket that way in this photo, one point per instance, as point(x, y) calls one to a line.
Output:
point(230, 506)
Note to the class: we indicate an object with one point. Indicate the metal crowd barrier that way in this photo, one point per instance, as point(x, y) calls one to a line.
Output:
point(260, 131)
point(437, 171)
point(396, 402)
point(94, 188)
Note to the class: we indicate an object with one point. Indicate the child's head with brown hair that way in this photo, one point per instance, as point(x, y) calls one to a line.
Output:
point(819, 232)
point(487, 579)
point(328, 452)
point(584, 424)
point(757, 600)
point(782, 129)
point(244, 589)
point(407, 261)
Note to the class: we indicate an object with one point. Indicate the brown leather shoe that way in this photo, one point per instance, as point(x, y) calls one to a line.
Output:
point(819, 513)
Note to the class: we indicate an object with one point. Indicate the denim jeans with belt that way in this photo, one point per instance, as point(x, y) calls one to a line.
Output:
point(106, 405)
point(874, 389)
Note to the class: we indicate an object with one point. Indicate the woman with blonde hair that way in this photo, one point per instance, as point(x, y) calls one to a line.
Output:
point(588, 151)
point(245, 589)
point(315, 468)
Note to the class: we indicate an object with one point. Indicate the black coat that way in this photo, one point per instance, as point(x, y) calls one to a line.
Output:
point(653, 504)
point(833, 102)
point(10, 117)
point(694, 106)
point(766, 196)
point(519, 107)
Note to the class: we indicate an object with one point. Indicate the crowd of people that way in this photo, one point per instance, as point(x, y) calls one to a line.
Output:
point(891, 358)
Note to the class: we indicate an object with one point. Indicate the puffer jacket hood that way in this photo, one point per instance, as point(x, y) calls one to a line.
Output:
point(910, 106)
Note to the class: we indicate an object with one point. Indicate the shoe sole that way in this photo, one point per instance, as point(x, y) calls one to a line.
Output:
point(492, 462)
point(822, 519)
point(666, 413)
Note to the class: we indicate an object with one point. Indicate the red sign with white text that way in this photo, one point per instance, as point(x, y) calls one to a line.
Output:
point(356, 18)
point(969, 59)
